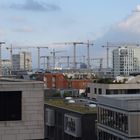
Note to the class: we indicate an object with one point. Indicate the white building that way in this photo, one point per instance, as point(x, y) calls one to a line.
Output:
point(129, 85)
point(22, 61)
point(126, 59)
point(6, 67)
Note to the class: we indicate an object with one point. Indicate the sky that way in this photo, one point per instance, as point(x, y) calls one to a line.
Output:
point(43, 22)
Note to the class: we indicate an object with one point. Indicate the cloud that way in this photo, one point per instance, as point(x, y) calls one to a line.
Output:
point(33, 5)
point(17, 19)
point(24, 29)
point(127, 30)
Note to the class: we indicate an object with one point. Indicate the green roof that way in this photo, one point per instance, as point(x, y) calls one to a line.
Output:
point(76, 107)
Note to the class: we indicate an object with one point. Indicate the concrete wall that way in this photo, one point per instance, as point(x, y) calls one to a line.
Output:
point(32, 124)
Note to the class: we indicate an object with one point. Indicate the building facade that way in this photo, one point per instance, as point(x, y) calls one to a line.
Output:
point(21, 110)
point(118, 117)
point(69, 121)
point(126, 60)
point(6, 67)
point(22, 61)
point(96, 89)
point(61, 81)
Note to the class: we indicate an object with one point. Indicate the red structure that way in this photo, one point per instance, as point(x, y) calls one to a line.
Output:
point(55, 80)
point(59, 81)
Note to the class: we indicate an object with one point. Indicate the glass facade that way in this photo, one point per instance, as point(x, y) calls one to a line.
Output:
point(116, 120)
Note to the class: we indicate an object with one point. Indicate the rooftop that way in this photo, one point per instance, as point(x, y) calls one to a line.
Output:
point(124, 97)
point(77, 106)
point(127, 102)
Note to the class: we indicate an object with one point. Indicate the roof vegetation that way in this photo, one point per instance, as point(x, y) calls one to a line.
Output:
point(78, 107)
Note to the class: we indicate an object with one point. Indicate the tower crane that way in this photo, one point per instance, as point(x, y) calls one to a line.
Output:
point(48, 61)
point(107, 51)
point(68, 60)
point(53, 53)
point(101, 62)
point(1, 58)
point(74, 50)
point(88, 55)
point(39, 54)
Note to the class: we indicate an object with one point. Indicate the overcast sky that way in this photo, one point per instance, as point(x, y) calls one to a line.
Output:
point(36, 22)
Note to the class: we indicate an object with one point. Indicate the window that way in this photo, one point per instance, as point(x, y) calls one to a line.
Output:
point(10, 105)
point(100, 91)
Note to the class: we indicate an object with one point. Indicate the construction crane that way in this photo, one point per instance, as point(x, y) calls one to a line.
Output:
point(107, 51)
point(74, 50)
point(100, 61)
point(54, 56)
point(1, 58)
point(39, 55)
point(68, 60)
point(88, 55)
point(48, 61)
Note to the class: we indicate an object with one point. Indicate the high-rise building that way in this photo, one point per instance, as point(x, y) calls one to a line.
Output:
point(22, 61)
point(126, 60)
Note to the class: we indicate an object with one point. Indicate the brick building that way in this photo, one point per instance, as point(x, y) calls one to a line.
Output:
point(59, 81)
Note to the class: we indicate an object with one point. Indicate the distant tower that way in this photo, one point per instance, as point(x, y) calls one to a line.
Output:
point(22, 61)
point(126, 59)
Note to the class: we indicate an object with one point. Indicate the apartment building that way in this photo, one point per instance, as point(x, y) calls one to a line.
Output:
point(126, 60)
point(118, 117)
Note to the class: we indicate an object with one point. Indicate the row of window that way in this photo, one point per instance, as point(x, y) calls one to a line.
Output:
point(113, 119)
point(106, 136)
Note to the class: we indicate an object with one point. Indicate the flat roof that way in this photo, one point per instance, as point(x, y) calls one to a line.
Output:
point(128, 102)
point(75, 107)
point(126, 97)
point(16, 80)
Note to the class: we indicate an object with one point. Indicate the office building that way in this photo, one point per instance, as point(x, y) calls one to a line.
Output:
point(70, 120)
point(22, 61)
point(21, 110)
point(126, 60)
point(122, 86)
point(118, 117)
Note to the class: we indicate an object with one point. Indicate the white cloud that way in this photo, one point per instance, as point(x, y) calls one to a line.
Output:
point(138, 7)
point(127, 30)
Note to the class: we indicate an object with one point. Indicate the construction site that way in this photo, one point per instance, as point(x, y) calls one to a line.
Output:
point(47, 58)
